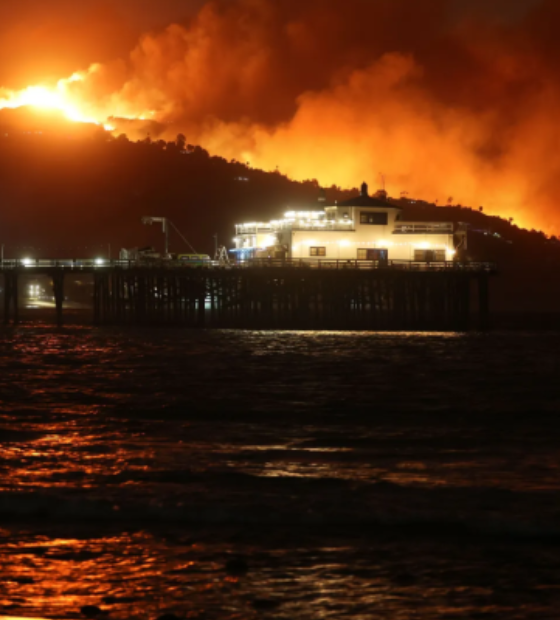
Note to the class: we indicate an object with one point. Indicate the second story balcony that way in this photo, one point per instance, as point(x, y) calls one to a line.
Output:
point(423, 228)
point(280, 225)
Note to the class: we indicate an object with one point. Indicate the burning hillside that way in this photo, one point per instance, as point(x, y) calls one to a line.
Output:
point(448, 105)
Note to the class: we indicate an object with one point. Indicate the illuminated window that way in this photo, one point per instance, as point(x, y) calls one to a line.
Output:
point(372, 254)
point(429, 256)
point(318, 251)
point(377, 219)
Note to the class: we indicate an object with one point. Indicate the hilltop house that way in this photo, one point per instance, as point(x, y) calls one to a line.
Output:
point(366, 228)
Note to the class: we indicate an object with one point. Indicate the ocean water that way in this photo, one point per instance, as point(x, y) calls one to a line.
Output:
point(241, 475)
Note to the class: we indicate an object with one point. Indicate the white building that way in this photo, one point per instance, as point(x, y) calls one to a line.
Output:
point(362, 228)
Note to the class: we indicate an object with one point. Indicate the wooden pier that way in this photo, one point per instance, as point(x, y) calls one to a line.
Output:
point(397, 296)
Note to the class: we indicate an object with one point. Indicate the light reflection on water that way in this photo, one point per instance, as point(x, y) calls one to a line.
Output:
point(346, 468)
point(142, 575)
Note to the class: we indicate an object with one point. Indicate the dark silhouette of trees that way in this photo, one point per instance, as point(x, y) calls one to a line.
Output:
point(60, 194)
point(181, 142)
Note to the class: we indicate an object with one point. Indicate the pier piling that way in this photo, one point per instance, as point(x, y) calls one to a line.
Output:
point(392, 297)
point(288, 298)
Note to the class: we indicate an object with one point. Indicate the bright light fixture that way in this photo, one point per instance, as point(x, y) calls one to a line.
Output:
point(99, 261)
point(26, 262)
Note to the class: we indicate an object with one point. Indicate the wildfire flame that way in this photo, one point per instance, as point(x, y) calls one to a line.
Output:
point(59, 98)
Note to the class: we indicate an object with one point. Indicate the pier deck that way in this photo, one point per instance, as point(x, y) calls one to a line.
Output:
point(269, 294)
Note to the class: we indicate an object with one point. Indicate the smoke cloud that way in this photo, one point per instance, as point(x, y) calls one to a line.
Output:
point(446, 99)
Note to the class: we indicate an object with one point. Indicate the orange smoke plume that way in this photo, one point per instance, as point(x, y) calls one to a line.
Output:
point(446, 103)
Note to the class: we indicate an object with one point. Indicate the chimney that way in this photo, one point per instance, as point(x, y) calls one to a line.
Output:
point(364, 191)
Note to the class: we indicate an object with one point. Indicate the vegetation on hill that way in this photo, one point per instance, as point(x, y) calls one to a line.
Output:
point(73, 196)
point(68, 194)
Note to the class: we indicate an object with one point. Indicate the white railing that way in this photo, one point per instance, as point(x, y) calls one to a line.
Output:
point(423, 228)
point(272, 227)
point(253, 229)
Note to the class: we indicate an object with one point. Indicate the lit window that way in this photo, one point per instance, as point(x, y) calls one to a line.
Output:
point(376, 219)
point(372, 254)
point(322, 251)
point(429, 256)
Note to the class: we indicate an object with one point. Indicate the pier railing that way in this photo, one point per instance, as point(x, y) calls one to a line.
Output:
point(295, 263)
point(267, 294)
point(371, 264)
point(97, 264)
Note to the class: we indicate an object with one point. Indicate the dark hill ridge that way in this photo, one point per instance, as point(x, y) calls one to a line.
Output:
point(66, 195)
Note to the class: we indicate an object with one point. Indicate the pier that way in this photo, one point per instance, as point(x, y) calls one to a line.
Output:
point(269, 294)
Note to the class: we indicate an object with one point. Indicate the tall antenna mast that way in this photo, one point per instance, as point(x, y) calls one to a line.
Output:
point(382, 181)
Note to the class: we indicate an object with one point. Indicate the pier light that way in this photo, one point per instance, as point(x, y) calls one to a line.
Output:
point(99, 261)
point(26, 262)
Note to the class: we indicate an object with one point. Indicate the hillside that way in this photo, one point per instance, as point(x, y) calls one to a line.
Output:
point(72, 196)
point(64, 194)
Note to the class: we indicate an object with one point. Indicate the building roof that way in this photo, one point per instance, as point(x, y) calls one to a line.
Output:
point(365, 200)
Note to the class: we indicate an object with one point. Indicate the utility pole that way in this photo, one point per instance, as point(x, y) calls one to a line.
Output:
point(164, 226)
point(166, 223)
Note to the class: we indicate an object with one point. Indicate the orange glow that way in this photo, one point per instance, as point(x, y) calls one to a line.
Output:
point(71, 98)
point(426, 150)
point(468, 119)
point(45, 98)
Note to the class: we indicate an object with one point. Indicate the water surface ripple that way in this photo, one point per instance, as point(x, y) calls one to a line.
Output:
point(238, 474)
